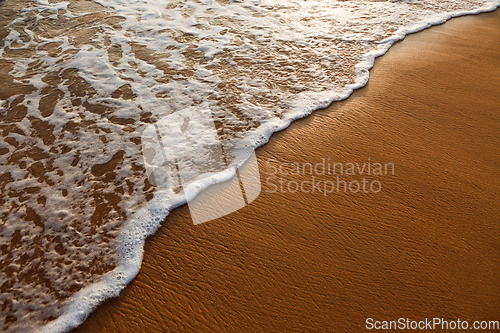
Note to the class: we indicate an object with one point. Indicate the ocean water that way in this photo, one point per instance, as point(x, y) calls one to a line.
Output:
point(82, 81)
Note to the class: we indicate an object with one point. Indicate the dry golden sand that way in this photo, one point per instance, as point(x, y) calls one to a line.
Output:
point(427, 245)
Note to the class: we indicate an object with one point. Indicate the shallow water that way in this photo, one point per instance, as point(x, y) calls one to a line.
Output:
point(82, 80)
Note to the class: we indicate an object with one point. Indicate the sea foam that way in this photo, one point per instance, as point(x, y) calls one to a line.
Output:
point(86, 79)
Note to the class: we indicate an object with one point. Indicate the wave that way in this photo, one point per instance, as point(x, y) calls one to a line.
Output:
point(84, 82)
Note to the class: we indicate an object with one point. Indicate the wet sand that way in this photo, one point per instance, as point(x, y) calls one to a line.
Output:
point(425, 246)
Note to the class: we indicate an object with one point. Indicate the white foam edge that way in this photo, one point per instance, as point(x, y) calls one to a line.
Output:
point(145, 222)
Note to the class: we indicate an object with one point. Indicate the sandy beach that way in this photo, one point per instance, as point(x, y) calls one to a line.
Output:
point(423, 244)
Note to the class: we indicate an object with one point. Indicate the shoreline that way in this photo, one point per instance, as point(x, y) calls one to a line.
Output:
point(195, 255)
